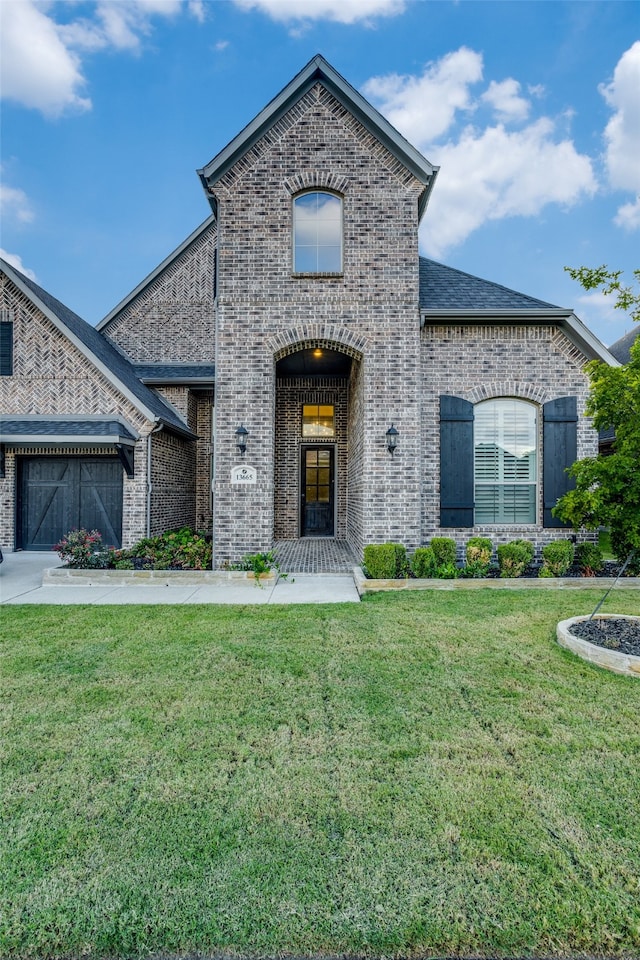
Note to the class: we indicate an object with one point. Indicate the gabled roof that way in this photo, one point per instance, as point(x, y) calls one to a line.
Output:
point(115, 367)
point(450, 294)
point(621, 349)
point(148, 280)
point(318, 69)
point(445, 288)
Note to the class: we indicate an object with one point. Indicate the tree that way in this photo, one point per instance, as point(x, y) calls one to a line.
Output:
point(607, 491)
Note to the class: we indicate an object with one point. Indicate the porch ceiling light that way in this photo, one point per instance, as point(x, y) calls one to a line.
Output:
point(392, 439)
point(241, 439)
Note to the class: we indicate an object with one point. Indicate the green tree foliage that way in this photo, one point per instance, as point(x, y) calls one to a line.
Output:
point(607, 489)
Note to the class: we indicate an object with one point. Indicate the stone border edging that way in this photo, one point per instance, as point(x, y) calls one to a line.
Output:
point(121, 578)
point(624, 663)
point(363, 585)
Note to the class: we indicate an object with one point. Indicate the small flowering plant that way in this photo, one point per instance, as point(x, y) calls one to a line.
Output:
point(81, 548)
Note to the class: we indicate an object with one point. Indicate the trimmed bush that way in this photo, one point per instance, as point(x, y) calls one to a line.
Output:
point(386, 561)
point(478, 553)
point(515, 557)
point(423, 563)
point(557, 558)
point(589, 557)
point(444, 550)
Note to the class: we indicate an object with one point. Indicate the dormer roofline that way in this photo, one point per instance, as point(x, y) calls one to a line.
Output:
point(318, 70)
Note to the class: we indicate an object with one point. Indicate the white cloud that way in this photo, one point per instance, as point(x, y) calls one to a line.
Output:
point(221, 45)
point(505, 99)
point(622, 133)
point(16, 262)
point(424, 107)
point(497, 174)
point(341, 11)
point(41, 65)
point(14, 203)
point(487, 173)
point(38, 70)
point(628, 216)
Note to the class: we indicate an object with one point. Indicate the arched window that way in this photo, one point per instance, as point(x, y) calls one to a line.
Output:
point(317, 233)
point(505, 462)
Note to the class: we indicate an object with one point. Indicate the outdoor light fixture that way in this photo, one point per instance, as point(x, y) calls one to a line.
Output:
point(241, 439)
point(392, 439)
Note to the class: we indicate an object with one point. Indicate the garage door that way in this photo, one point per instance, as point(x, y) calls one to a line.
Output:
point(58, 494)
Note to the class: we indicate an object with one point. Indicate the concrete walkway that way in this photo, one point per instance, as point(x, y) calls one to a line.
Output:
point(21, 582)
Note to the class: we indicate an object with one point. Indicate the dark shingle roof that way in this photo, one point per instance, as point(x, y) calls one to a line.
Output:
point(621, 349)
point(98, 346)
point(175, 372)
point(50, 428)
point(444, 288)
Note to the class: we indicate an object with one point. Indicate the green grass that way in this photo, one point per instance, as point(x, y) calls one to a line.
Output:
point(419, 774)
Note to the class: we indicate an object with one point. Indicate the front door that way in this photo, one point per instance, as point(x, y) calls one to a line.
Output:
point(317, 492)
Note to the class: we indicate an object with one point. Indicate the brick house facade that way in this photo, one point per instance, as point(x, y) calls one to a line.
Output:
point(301, 312)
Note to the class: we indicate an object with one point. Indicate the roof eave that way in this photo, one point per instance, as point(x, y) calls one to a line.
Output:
point(66, 440)
point(318, 69)
point(178, 381)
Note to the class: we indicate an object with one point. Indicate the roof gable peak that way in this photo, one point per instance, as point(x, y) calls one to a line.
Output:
point(320, 70)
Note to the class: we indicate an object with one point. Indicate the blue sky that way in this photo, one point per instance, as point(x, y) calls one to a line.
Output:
point(532, 111)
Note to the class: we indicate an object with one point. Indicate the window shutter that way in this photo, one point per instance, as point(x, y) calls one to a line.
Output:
point(6, 348)
point(559, 451)
point(456, 462)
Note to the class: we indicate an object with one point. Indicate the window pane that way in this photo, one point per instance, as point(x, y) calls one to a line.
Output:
point(329, 260)
point(505, 461)
point(318, 421)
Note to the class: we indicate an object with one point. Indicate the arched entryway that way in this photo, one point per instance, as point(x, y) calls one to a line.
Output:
point(315, 425)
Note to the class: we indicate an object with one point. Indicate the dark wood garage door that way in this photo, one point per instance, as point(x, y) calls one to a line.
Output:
point(58, 494)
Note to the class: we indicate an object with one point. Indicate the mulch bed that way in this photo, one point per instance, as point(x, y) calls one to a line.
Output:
point(618, 634)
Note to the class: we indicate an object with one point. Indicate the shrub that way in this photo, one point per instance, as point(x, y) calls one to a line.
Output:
point(82, 549)
point(386, 561)
point(423, 563)
point(557, 558)
point(589, 557)
point(182, 549)
point(444, 550)
point(479, 550)
point(447, 571)
point(515, 557)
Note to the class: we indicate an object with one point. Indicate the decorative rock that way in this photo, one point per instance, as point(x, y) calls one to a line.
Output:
point(601, 656)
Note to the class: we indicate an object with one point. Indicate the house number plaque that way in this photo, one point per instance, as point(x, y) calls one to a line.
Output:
point(244, 474)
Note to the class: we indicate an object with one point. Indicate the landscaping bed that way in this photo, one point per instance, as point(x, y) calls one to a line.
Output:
point(613, 633)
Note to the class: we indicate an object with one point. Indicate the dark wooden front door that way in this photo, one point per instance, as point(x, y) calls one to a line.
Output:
point(317, 492)
point(58, 494)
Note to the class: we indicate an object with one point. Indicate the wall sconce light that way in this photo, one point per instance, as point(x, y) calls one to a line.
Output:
point(392, 439)
point(241, 439)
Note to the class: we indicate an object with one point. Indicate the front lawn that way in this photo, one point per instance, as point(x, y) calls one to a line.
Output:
point(421, 773)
